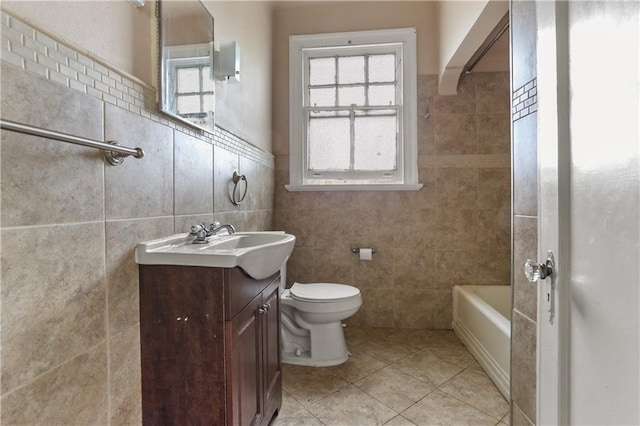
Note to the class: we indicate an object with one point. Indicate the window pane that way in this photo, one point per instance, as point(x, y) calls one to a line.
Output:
point(382, 68)
point(329, 147)
point(208, 85)
point(322, 71)
point(350, 69)
point(188, 104)
point(382, 95)
point(322, 97)
point(208, 103)
point(351, 96)
point(188, 80)
point(375, 143)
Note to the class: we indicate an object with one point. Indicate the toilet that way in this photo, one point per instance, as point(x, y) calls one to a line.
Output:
point(311, 322)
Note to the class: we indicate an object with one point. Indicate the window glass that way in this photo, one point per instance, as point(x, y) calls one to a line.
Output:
point(375, 141)
point(188, 80)
point(351, 96)
point(382, 68)
point(322, 97)
point(382, 95)
point(188, 104)
point(322, 71)
point(329, 145)
point(350, 69)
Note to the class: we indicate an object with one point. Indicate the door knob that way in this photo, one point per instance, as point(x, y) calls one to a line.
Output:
point(538, 271)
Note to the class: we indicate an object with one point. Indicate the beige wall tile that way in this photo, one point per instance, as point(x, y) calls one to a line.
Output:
point(457, 188)
point(523, 364)
point(411, 308)
point(183, 224)
point(494, 133)
point(492, 91)
point(224, 164)
point(73, 393)
point(37, 186)
point(125, 383)
point(413, 269)
point(455, 267)
point(525, 246)
point(455, 133)
point(494, 188)
point(494, 229)
point(139, 188)
point(376, 309)
point(455, 229)
point(298, 222)
point(376, 273)
point(193, 175)
point(53, 297)
point(494, 266)
point(122, 236)
point(525, 166)
point(333, 264)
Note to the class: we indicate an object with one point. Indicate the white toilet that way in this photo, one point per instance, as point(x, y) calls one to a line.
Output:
point(311, 322)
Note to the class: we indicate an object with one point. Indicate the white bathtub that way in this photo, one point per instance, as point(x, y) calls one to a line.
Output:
point(481, 320)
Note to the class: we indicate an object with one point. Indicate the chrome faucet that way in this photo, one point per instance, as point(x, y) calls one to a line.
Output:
point(202, 232)
point(216, 227)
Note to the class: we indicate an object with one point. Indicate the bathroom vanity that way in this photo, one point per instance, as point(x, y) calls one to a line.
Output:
point(210, 346)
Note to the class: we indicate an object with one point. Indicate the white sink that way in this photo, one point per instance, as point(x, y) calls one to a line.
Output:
point(259, 254)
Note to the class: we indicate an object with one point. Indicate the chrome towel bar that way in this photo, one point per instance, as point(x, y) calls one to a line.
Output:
point(114, 152)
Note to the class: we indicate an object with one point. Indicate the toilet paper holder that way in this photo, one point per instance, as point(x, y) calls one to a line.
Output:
point(357, 250)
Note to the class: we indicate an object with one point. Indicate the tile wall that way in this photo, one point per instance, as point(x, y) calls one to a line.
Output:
point(455, 230)
point(69, 223)
point(525, 211)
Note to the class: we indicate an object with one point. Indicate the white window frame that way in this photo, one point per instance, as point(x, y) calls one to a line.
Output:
point(299, 45)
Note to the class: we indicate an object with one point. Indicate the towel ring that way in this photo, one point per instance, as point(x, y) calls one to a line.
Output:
point(236, 179)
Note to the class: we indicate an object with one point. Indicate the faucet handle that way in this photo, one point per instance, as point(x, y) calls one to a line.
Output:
point(214, 225)
point(197, 228)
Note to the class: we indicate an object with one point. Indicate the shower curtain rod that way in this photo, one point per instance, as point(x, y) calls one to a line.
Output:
point(470, 68)
point(114, 152)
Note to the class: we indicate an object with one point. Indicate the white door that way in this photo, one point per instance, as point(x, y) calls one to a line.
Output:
point(589, 209)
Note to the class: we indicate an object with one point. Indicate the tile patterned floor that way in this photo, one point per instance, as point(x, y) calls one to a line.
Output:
point(394, 377)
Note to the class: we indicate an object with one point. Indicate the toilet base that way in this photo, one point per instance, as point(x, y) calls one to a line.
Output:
point(324, 346)
point(306, 360)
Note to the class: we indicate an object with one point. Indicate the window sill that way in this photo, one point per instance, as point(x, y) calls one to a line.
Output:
point(346, 187)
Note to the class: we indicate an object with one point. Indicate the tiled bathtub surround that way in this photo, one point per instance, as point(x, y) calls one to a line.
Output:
point(69, 222)
point(455, 230)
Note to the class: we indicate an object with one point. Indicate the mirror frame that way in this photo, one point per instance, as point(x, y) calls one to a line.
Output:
point(169, 58)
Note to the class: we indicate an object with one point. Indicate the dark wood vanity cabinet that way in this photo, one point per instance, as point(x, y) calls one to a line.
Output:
point(210, 346)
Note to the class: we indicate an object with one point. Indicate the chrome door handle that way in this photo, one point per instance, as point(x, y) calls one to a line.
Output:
point(538, 271)
point(264, 309)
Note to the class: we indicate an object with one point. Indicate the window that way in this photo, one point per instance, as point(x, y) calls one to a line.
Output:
point(194, 91)
point(353, 111)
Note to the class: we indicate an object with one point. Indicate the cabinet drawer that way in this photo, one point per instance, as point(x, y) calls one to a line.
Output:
point(240, 289)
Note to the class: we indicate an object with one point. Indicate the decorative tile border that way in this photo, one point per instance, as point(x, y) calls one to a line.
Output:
point(525, 100)
point(42, 54)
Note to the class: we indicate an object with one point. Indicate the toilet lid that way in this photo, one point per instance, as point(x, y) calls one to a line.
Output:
point(322, 292)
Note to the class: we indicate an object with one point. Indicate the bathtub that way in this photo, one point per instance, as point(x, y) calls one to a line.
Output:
point(481, 320)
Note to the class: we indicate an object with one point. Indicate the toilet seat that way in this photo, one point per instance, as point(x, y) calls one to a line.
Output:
point(322, 292)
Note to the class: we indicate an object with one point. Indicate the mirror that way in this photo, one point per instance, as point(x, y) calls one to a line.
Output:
point(187, 85)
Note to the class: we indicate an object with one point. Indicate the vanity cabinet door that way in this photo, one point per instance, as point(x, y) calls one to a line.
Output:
point(271, 350)
point(244, 365)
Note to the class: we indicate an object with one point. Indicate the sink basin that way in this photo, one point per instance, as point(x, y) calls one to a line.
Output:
point(259, 254)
